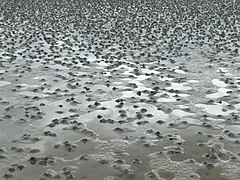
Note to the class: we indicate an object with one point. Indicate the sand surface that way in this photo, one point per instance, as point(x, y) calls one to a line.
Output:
point(118, 90)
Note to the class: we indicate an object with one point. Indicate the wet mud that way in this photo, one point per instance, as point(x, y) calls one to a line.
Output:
point(120, 90)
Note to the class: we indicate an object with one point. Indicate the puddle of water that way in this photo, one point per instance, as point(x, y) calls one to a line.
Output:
point(192, 81)
point(221, 92)
point(216, 109)
point(4, 83)
point(165, 78)
point(219, 83)
point(179, 71)
point(180, 86)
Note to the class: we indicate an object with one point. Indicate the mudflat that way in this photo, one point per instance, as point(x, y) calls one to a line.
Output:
point(118, 90)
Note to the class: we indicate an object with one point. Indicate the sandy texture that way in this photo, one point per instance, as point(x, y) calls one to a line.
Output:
point(117, 90)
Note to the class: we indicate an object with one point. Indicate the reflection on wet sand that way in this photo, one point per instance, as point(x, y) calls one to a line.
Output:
point(119, 90)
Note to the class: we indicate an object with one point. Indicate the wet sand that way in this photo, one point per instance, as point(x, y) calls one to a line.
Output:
point(120, 90)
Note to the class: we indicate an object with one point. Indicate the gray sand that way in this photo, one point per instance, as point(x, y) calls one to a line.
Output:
point(120, 90)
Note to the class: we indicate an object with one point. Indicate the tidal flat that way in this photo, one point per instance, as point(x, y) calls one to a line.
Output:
point(120, 90)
